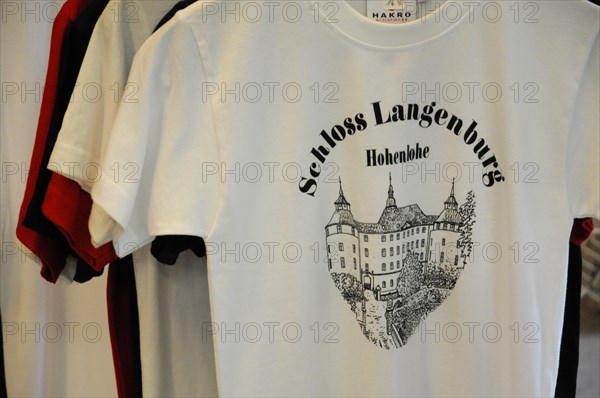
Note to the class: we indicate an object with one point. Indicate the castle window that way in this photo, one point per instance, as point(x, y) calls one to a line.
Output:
point(403, 248)
point(392, 251)
point(383, 252)
point(391, 237)
point(341, 247)
point(423, 230)
point(404, 234)
point(383, 284)
point(383, 267)
point(422, 242)
point(366, 252)
point(329, 261)
point(366, 267)
point(354, 263)
point(441, 257)
point(391, 283)
point(383, 238)
point(392, 266)
point(422, 256)
point(398, 249)
point(353, 248)
point(412, 232)
point(443, 241)
point(417, 245)
point(366, 238)
point(339, 229)
point(398, 264)
point(412, 245)
point(343, 262)
point(398, 236)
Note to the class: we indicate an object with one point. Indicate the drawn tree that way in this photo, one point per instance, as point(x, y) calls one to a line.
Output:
point(443, 277)
point(465, 242)
point(410, 277)
point(350, 287)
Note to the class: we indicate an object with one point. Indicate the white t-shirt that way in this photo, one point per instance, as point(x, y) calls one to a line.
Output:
point(466, 142)
point(175, 361)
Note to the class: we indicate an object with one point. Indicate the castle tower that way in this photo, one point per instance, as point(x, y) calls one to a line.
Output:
point(343, 252)
point(451, 203)
point(341, 203)
point(443, 248)
point(391, 201)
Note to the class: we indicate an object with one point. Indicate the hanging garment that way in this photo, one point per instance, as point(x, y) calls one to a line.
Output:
point(52, 249)
point(123, 322)
point(166, 249)
point(447, 285)
point(166, 347)
point(76, 38)
point(566, 384)
point(51, 317)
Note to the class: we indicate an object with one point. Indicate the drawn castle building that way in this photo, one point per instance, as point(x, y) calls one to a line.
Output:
point(374, 253)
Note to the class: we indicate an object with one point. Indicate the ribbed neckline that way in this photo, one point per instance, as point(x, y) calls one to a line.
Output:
point(365, 32)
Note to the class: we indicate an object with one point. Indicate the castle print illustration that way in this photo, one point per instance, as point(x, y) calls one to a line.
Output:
point(394, 272)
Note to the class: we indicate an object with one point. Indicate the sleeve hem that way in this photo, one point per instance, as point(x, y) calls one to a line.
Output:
point(75, 164)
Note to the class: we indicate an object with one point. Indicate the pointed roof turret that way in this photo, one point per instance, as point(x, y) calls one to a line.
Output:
point(342, 213)
point(450, 212)
point(391, 201)
point(451, 202)
point(341, 202)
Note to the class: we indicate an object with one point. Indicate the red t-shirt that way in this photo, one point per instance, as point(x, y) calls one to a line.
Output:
point(69, 207)
point(51, 252)
point(582, 229)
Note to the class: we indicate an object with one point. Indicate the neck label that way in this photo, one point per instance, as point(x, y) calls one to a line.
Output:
point(392, 11)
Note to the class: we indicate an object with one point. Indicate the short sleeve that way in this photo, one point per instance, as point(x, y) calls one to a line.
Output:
point(583, 163)
point(152, 169)
point(90, 114)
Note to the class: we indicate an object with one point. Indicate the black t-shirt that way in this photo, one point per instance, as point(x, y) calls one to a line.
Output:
point(566, 383)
